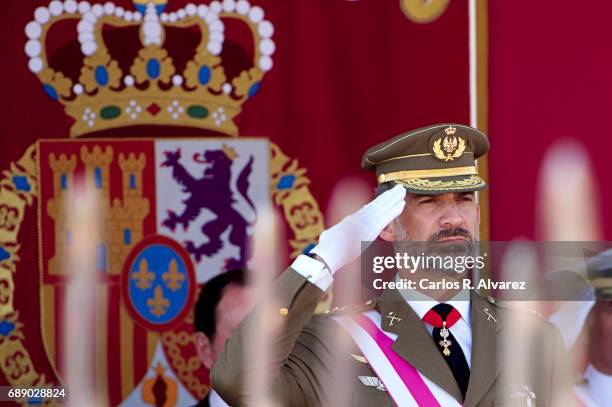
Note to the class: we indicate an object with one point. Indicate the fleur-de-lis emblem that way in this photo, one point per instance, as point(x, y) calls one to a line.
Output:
point(143, 277)
point(173, 278)
point(158, 303)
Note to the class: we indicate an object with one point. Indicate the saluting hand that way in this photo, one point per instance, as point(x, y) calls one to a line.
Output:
point(341, 244)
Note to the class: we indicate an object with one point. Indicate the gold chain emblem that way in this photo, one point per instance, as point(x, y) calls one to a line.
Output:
point(449, 147)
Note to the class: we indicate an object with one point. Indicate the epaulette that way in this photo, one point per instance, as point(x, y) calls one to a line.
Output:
point(361, 307)
point(506, 305)
point(491, 300)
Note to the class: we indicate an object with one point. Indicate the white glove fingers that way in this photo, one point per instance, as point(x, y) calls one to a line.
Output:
point(400, 189)
point(387, 196)
point(341, 243)
point(394, 194)
point(382, 218)
point(393, 212)
point(386, 199)
point(397, 197)
point(398, 194)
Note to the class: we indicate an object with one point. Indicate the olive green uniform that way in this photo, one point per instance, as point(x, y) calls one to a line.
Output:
point(305, 358)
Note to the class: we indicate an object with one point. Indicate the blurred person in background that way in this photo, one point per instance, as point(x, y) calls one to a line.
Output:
point(223, 302)
point(596, 386)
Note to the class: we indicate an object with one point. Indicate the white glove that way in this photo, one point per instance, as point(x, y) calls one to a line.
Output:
point(341, 244)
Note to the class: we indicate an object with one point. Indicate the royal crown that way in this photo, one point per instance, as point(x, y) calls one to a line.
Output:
point(450, 130)
point(189, 67)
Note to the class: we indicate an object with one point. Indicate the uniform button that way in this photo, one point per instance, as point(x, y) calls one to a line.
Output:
point(284, 312)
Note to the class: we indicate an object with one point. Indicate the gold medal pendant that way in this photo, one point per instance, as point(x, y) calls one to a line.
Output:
point(445, 343)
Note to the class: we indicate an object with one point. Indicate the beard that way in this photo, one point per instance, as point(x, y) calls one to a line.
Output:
point(433, 248)
point(453, 249)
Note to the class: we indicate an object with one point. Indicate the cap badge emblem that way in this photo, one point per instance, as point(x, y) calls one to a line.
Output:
point(449, 147)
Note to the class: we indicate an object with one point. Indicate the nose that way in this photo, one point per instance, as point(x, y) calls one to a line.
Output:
point(450, 216)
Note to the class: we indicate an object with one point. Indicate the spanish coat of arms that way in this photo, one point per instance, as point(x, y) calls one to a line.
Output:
point(171, 212)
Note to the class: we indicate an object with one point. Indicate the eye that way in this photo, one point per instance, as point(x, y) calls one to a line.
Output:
point(467, 197)
point(426, 201)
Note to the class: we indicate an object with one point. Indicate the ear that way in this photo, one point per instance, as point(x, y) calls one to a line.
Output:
point(204, 349)
point(388, 233)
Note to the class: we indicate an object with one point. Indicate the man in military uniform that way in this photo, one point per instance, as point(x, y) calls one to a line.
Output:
point(403, 350)
point(596, 388)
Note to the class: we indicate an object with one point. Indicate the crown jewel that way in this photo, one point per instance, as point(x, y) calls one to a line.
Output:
point(230, 152)
point(450, 130)
point(133, 67)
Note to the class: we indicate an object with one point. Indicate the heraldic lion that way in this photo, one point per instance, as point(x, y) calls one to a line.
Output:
point(213, 192)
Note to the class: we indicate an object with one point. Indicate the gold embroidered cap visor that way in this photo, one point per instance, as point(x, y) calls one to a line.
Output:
point(430, 160)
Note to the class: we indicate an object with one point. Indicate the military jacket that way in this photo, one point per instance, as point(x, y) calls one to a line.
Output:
point(314, 358)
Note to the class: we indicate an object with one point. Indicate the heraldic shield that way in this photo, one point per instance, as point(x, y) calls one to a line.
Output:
point(174, 213)
point(170, 213)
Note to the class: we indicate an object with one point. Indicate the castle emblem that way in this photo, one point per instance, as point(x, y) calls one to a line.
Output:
point(124, 215)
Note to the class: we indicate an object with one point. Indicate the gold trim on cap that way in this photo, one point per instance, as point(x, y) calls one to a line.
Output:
point(421, 184)
point(439, 126)
point(396, 158)
point(406, 156)
point(433, 173)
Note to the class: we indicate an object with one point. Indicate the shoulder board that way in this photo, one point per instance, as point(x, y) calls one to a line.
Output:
point(364, 306)
point(490, 300)
point(506, 305)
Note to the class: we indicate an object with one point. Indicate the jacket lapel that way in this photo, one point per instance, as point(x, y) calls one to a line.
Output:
point(414, 343)
point(485, 356)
